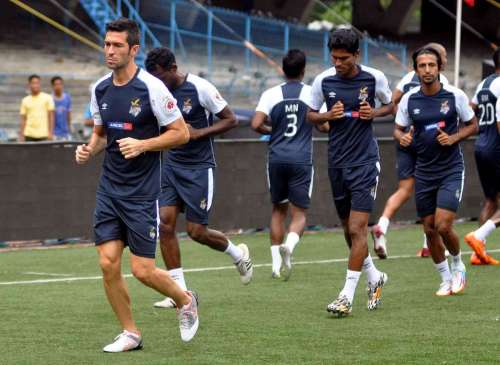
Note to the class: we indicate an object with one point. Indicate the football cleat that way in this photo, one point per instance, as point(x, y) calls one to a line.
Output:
point(458, 279)
point(244, 266)
point(275, 275)
point(188, 318)
point(476, 245)
point(379, 242)
point(444, 289)
point(165, 303)
point(375, 291)
point(424, 252)
point(341, 306)
point(286, 259)
point(125, 341)
point(475, 260)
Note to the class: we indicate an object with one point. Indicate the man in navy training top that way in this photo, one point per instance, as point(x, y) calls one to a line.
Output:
point(290, 167)
point(432, 113)
point(188, 171)
point(349, 91)
point(128, 107)
point(486, 102)
point(406, 158)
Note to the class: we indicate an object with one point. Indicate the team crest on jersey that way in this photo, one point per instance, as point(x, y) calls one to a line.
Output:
point(187, 106)
point(152, 233)
point(445, 108)
point(135, 107)
point(203, 204)
point(363, 94)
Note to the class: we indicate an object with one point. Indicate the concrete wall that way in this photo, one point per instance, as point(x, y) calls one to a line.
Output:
point(44, 194)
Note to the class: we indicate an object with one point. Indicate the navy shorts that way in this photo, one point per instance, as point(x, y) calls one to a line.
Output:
point(290, 183)
point(190, 189)
point(442, 192)
point(131, 221)
point(488, 168)
point(354, 188)
point(406, 158)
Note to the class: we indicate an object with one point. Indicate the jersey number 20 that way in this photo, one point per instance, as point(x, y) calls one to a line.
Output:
point(487, 116)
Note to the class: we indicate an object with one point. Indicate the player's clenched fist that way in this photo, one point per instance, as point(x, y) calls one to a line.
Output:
point(337, 111)
point(407, 138)
point(130, 147)
point(83, 153)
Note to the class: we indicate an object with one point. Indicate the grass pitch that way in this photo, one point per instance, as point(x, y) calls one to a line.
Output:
point(267, 322)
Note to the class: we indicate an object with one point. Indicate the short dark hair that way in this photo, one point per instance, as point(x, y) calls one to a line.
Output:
point(55, 78)
point(344, 38)
point(34, 76)
point(294, 63)
point(496, 58)
point(161, 56)
point(125, 25)
point(426, 50)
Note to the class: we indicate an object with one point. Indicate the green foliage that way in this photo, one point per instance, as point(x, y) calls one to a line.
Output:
point(339, 12)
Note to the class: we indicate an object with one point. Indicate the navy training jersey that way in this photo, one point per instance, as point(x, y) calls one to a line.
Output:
point(198, 101)
point(351, 140)
point(291, 136)
point(411, 80)
point(426, 114)
point(137, 110)
point(487, 99)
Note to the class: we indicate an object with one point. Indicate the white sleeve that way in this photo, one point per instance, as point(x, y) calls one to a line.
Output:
point(382, 90)
point(474, 98)
point(465, 112)
point(443, 79)
point(498, 110)
point(210, 98)
point(405, 80)
point(264, 104)
point(316, 97)
point(402, 116)
point(163, 104)
point(94, 108)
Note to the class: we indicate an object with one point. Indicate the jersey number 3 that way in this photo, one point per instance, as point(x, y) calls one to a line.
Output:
point(291, 128)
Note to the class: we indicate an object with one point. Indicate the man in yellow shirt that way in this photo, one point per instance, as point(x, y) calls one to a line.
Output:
point(37, 113)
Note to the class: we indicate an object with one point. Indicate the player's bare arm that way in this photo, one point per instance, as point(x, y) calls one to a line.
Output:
point(177, 134)
point(471, 128)
point(259, 125)
point(227, 120)
point(336, 112)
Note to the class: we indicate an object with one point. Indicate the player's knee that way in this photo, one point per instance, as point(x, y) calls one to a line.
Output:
point(109, 267)
point(197, 232)
point(142, 273)
point(166, 229)
point(444, 228)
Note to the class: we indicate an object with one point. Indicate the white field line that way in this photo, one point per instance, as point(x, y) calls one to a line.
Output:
point(202, 269)
point(43, 273)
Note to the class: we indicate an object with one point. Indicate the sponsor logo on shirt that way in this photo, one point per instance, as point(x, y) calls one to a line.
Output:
point(441, 124)
point(170, 104)
point(353, 114)
point(363, 94)
point(445, 108)
point(187, 106)
point(126, 126)
point(332, 94)
point(135, 107)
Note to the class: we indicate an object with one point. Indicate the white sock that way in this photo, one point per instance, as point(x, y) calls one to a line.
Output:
point(275, 255)
point(292, 239)
point(351, 281)
point(457, 260)
point(233, 251)
point(482, 232)
point(372, 274)
point(178, 276)
point(444, 270)
point(383, 223)
point(425, 242)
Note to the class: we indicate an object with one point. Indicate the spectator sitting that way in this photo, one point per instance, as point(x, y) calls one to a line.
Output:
point(37, 114)
point(62, 100)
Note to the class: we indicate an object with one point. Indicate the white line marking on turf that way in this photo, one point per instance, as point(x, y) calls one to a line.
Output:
point(43, 273)
point(203, 269)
